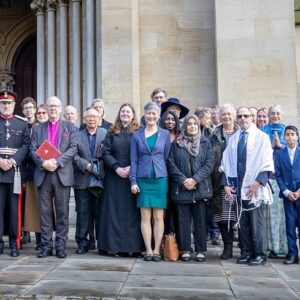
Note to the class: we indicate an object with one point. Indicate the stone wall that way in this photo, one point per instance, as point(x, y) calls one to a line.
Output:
point(148, 44)
point(256, 60)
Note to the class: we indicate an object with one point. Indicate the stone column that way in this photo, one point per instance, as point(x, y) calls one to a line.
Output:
point(38, 6)
point(63, 51)
point(90, 51)
point(51, 47)
point(76, 57)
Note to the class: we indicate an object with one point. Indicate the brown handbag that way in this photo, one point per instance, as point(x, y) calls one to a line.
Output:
point(170, 248)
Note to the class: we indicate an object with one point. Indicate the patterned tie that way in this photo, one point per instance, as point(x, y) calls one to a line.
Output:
point(241, 150)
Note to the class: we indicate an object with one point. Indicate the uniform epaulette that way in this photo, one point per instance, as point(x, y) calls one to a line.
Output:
point(21, 118)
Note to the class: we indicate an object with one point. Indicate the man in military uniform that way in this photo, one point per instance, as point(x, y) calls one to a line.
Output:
point(14, 147)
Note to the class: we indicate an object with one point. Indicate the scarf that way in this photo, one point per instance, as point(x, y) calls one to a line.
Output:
point(190, 143)
point(259, 159)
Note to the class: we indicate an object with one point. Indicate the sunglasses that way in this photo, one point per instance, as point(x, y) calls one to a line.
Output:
point(41, 113)
point(241, 116)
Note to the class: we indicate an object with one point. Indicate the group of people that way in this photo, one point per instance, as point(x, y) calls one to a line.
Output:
point(172, 171)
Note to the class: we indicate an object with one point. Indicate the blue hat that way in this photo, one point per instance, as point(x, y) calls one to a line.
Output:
point(174, 101)
point(7, 96)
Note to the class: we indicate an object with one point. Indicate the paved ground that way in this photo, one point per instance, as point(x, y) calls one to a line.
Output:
point(92, 276)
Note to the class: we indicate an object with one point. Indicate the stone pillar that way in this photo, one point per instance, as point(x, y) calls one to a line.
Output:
point(63, 51)
point(7, 80)
point(98, 44)
point(76, 57)
point(51, 47)
point(38, 6)
point(90, 51)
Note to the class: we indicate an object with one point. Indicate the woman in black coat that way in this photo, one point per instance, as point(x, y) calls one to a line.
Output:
point(120, 218)
point(190, 164)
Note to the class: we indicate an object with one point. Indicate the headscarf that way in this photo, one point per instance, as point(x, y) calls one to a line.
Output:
point(190, 143)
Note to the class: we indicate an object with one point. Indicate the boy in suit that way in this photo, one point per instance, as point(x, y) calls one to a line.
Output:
point(287, 173)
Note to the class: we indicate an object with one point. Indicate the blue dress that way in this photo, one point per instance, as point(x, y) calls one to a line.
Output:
point(153, 191)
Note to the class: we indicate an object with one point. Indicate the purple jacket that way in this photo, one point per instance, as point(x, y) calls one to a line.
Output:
point(142, 158)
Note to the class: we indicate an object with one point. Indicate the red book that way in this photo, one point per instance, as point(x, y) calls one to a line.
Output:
point(47, 151)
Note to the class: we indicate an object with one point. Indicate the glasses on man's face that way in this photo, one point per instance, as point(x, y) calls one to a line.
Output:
point(28, 108)
point(41, 113)
point(53, 105)
point(243, 116)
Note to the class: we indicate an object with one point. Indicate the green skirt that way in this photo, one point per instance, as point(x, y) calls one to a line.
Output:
point(153, 192)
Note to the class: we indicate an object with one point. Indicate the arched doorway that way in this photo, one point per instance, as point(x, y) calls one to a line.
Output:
point(25, 70)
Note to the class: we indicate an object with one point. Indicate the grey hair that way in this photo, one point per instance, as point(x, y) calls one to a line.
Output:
point(230, 106)
point(151, 105)
point(278, 106)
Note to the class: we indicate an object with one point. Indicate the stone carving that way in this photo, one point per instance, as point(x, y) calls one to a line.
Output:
point(63, 2)
point(7, 80)
point(38, 6)
point(51, 4)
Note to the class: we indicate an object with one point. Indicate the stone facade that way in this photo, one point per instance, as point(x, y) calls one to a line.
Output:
point(202, 51)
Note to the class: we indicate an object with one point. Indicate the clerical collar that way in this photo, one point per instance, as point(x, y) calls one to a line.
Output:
point(9, 117)
point(53, 123)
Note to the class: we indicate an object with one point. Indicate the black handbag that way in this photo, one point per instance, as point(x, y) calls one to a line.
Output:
point(96, 182)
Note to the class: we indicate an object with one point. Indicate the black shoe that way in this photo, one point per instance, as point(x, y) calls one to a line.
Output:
point(227, 253)
point(257, 261)
point(243, 260)
point(38, 247)
point(215, 241)
point(148, 257)
point(26, 239)
point(81, 250)
point(272, 255)
point(200, 257)
point(186, 256)
point(14, 252)
point(61, 253)
point(292, 260)
point(44, 253)
point(156, 258)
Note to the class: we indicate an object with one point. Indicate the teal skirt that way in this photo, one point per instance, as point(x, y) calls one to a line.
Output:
point(153, 192)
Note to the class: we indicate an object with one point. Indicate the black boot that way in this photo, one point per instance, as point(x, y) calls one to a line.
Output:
point(227, 236)
point(38, 241)
point(227, 252)
point(26, 237)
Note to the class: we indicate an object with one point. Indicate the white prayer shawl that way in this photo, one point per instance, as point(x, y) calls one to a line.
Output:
point(259, 159)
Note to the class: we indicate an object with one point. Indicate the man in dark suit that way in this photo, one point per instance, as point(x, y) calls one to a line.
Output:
point(54, 177)
point(89, 149)
point(287, 173)
point(14, 145)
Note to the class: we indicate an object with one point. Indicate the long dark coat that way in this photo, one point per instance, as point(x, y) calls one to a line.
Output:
point(120, 218)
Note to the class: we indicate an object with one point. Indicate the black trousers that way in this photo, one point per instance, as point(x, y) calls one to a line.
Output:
point(50, 189)
point(185, 214)
point(253, 230)
point(8, 203)
point(86, 206)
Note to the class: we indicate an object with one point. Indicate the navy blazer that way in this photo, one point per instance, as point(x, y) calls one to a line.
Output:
point(142, 158)
point(67, 145)
point(287, 175)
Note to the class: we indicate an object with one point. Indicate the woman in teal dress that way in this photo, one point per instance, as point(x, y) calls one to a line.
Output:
point(277, 241)
point(149, 178)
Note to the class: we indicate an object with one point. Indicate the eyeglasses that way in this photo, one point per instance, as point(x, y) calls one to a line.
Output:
point(41, 113)
point(28, 108)
point(243, 116)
